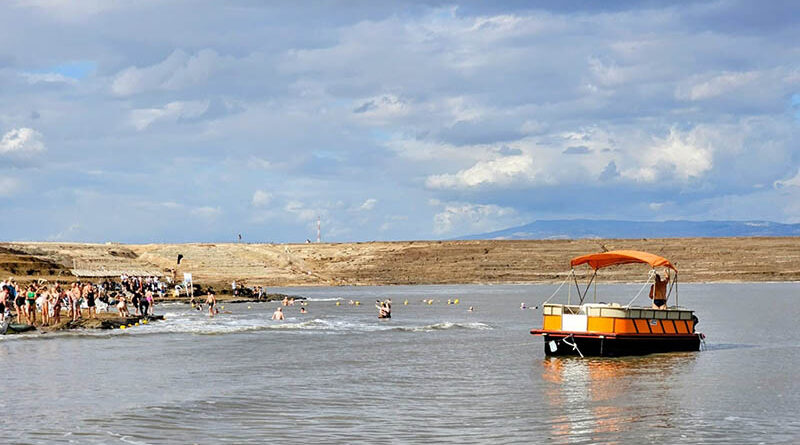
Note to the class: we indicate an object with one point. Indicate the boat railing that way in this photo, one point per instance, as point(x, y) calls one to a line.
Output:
point(614, 310)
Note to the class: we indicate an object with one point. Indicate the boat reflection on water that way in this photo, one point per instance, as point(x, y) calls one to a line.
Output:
point(603, 399)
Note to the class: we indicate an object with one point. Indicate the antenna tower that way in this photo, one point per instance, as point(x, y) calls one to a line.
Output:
point(319, 230)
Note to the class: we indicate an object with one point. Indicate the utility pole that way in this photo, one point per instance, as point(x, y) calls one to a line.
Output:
point(319, 230)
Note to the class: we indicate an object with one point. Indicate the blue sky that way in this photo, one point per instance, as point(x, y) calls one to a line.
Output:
point(176, 121)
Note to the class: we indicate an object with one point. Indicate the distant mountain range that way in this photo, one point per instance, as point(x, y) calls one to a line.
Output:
point(589, 228)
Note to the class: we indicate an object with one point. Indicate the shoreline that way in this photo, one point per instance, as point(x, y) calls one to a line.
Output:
point(112, 320)
point(103, 321)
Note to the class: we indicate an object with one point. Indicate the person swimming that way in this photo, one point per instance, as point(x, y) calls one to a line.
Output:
point(384, 308)
point(278, 314)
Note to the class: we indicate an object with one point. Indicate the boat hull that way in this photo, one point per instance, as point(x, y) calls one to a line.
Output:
point(614, 345)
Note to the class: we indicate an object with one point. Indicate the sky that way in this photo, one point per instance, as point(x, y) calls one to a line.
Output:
point(195, 121)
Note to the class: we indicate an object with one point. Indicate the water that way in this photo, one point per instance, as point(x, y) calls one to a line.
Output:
point(432, 374)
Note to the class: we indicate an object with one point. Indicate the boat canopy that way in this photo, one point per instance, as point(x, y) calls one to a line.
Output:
point(615, 257)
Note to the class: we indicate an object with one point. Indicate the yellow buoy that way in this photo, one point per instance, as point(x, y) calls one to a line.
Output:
point(144, 321)
point(223, 307)
point(337, 303)
point(456, 301)
point(122, 327)
point(137, 323)
point(249, 307)
point(357, 303)
point(405, 302)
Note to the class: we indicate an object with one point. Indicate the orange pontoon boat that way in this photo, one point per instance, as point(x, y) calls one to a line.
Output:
point(610, 329)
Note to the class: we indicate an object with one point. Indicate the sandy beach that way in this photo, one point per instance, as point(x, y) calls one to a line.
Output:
point(387, 263)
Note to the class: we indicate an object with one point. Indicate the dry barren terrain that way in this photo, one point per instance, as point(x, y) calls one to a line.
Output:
point(410, 262)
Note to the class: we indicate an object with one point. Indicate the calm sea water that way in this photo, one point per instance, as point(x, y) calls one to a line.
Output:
point(432, 374)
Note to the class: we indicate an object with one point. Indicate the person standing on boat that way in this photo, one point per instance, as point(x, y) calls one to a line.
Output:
point(658, 292)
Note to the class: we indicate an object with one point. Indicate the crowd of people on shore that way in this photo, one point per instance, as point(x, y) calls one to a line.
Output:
point(47, 300)
point(42, 303)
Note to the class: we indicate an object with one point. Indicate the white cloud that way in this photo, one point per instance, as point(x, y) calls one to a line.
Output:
point(383, 108)
point(610, 74)
point(33, 78)
point(716, 86)
point(171, 112)
point(791, 182)
point(681, 156)
point(423, 150)
point(300, 211)
point(369, 204)
point(66, 234)
point(501, 171)
point(462, 109)
point(71, 10)
point(8, 186)
point(21, 141)
point(467, 217)
point(206, 212)
point(259, 163)
point(261, 198)
point(656, 206)
point(177, 71)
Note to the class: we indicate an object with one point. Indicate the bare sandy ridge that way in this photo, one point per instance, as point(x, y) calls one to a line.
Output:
point(410, 262)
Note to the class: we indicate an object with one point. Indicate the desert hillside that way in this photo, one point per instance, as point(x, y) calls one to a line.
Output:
point(411, 262)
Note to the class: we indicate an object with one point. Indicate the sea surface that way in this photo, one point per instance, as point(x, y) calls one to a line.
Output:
point(434, 373)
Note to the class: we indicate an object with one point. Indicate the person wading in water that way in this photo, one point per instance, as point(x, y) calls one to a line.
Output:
point(384, 308)
point(211, 301)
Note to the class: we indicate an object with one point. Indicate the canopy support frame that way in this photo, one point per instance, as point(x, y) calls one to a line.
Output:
point(650, 277)
point(588, 286)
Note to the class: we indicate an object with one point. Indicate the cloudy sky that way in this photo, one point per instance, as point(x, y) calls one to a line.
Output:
point(141, 121)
